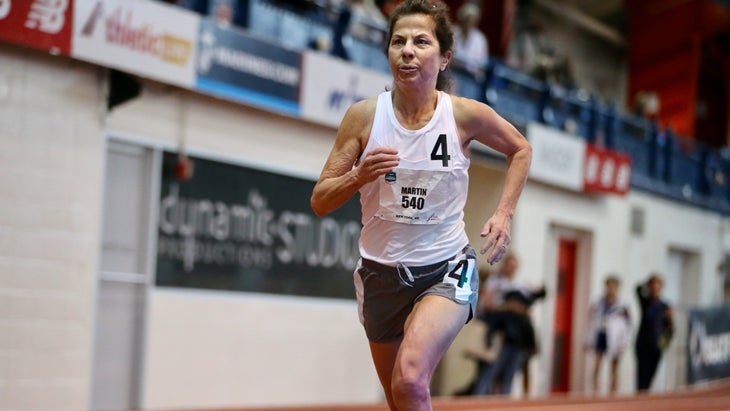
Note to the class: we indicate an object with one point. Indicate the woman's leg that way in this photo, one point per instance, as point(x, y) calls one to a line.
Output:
point(514, 359)
point(429, 331)
point(598, 358)
point(384, 355)
point(485, 382)
point(614, 374)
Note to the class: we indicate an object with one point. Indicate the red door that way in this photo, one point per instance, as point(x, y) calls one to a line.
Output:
point(562, 335)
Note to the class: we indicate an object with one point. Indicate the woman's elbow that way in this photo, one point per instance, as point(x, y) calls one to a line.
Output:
point(318, 207)
point(526, 150)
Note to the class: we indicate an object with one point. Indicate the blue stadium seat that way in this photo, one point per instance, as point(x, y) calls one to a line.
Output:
point(366, 54)
point(661, 162)
point(578, 112)
point(683, 166)
point(467, 86)
point(295, 30)
point(515, 95)
point(631, 135)
point(265, 20)
point(718, 172)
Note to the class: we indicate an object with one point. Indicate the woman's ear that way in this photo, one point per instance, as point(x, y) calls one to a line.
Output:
point(445, 60)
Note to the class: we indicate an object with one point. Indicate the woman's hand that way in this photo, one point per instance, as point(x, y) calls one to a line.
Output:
point(496, 232)
point(378, 162)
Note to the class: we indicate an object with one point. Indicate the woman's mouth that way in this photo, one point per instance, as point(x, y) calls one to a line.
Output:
point(408, 68)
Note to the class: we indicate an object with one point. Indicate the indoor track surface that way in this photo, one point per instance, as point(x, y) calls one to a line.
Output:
point(708, 397)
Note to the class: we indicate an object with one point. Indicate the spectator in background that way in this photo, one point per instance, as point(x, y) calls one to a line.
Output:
point(471, 49)
point(340, 28)
point(492, 301)
point(226, 12)
point(387, 6)
point(367, 21)
point(646, 104)
point(609, 331)
point(514, 325)
point(655, 330)
point(503, 281)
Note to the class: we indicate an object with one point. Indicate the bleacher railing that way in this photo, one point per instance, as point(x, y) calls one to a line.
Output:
point(663, 163)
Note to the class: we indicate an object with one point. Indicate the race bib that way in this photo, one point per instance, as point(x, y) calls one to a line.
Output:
point(413, 196)
point(461, 270)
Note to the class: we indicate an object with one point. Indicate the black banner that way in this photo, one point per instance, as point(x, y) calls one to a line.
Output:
point(236, 65)
point(708, 348)
point(236, 228)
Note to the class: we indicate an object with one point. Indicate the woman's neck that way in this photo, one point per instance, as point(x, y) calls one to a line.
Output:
point(414, 107)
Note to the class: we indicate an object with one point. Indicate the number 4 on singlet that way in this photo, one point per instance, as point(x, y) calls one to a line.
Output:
point(442, 147)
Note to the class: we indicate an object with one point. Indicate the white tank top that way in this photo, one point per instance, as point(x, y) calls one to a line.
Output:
point(415, 215)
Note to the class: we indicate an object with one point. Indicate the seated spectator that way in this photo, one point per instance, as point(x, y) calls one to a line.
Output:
point(226, 12)
point(646, 104)
point(387, 6)
point(471, 49)
point(367, 21)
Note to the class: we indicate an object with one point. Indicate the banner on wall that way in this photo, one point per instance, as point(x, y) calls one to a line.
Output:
point(236, 228)
point(330, 85)
point(570, 162)
point(41, 24)
point(144, 37)
point(708, 345)
point(557, 158)
point(606, 171)
point(235, 65)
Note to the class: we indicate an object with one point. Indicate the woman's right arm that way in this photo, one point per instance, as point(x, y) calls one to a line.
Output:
point(339, 180)
point(641, 293)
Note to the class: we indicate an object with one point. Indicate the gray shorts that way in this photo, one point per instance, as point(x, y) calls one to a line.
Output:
point(386, 294)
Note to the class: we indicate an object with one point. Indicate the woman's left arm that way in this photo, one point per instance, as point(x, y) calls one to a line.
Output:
point(477, 121)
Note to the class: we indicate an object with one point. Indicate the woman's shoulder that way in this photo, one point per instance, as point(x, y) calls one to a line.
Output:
point(361, 113)
point(467, 110)
point(365, 107)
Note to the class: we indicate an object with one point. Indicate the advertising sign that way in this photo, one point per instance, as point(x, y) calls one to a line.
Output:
point(557, 157)
point(236, 228)
point(708, 348)
point(243, 68)
point(143, 37)
point(43, 24)
point(606, 171)
point(330, 85)
point(568, 161)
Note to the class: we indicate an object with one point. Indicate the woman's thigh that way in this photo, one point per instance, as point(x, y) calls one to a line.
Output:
point(429, 331)
point(384, 355)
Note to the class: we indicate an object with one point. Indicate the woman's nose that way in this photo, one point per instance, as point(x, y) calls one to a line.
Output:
point(408, 49)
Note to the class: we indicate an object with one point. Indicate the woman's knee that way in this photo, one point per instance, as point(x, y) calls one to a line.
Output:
point(410, 381)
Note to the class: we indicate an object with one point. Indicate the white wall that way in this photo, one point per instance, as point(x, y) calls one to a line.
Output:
point(51, 151)
point(613, 248)
point(218, 349)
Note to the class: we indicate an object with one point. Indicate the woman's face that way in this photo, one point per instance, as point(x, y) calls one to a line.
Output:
point(414, 51)
point(655, 287)
point(611, 288)
point(509, 266)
